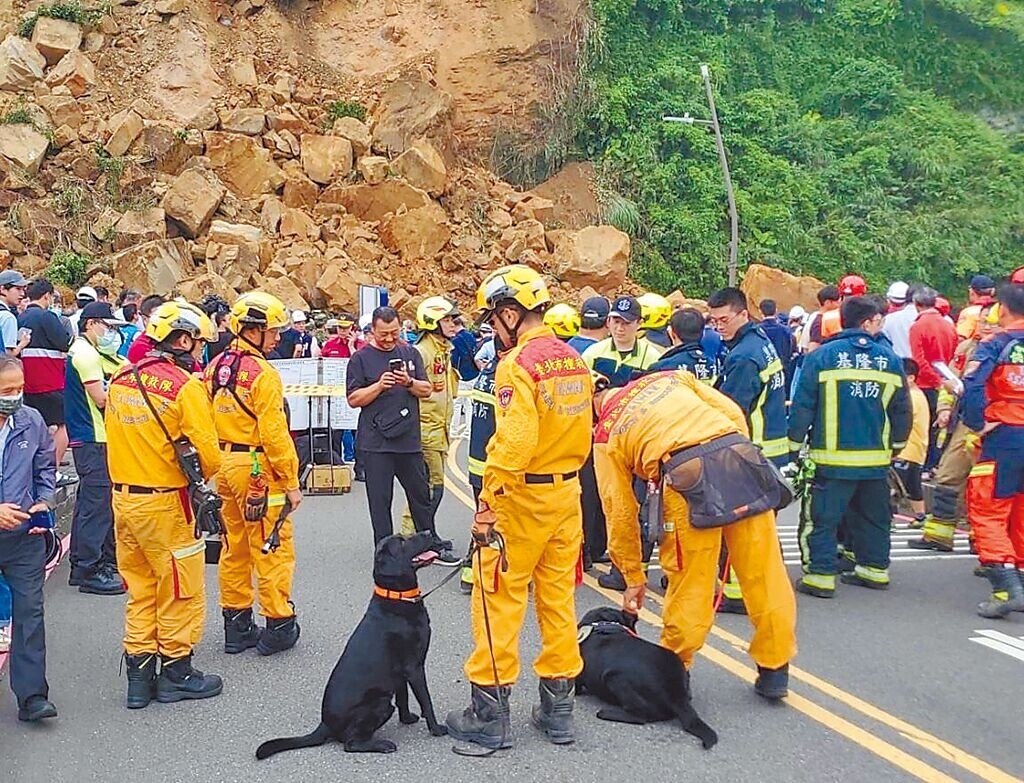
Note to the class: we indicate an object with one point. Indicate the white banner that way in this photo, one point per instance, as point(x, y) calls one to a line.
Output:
point(313, 373)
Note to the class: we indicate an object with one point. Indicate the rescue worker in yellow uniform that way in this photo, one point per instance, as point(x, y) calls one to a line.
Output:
point(444, 344)
point(158, 553)
point(564, 321)
point(530, 500)
point(640, 428)
point(256, 449)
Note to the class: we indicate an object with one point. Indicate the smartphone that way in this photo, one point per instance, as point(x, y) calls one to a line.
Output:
point(41, 519)
point(24, 333)
point(396, 365)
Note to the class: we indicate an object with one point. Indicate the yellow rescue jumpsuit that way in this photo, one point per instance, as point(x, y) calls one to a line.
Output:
point(639, 429)
point(542, 438)
point(258, 386)
point(435, 415)
point(157, 552)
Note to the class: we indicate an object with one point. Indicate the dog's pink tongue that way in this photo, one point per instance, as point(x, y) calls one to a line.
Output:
point(426, 557)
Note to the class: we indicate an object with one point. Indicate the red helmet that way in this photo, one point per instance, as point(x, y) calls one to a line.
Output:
point(1018, 276)
point(942, 305)
point(852, 285)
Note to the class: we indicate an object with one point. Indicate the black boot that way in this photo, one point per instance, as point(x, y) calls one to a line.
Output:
point(240, 632)
point(141, 680)
point(613, 580)
point(103, 580)
point(553, 715)
point(179, 681)
point(485, 722)
point(1007, 593)
point(279, 635)
point(772, 684)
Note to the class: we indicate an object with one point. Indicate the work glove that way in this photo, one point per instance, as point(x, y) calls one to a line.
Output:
point(483, 526)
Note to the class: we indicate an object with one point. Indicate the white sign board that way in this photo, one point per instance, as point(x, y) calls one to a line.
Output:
point(316, 372)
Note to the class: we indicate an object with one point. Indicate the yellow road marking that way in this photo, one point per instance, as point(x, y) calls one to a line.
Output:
point(887, 751)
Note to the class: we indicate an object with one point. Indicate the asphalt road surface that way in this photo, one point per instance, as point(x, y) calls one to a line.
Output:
point(904, 685)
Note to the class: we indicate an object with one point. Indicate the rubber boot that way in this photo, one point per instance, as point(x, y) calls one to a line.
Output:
point(1007, 594)
point(485, 722)
point(279, 635)
point(178, 681)
point(772, 684)
point(240, 632)
point(553, 715)
point(141, 680)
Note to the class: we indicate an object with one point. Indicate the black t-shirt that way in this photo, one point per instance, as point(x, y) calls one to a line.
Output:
point(364, 369)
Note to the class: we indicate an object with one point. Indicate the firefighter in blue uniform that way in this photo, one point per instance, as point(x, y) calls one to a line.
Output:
point(685, 330)
point(752, 376)
point(853, 406)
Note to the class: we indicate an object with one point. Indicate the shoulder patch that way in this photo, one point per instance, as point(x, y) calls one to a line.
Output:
point(504, 397)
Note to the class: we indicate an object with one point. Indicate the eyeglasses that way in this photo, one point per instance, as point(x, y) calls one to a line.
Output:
point(722, 320)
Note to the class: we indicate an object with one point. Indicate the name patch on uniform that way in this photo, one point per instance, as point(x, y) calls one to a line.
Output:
point(504, 396)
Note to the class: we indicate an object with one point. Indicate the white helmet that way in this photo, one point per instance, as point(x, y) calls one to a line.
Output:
point(898, 292)
point(364, 322)
point(797, 313)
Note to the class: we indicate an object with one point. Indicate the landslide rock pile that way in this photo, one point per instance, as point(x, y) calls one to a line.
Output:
point(129, 163)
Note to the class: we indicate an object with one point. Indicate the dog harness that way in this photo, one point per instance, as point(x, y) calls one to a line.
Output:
point(397, 595)
point(602, 627)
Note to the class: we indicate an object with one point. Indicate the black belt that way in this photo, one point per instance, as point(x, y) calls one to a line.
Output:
point(132, 489)
point(240, 447)
point(549, 478)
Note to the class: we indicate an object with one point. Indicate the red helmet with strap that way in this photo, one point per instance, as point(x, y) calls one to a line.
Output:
point(852, 285)
point(1017, 276)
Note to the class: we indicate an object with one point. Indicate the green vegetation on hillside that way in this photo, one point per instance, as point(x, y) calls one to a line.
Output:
point(853, 128)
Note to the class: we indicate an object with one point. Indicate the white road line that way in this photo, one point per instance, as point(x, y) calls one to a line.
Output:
point(999, 636)
point(999, 646)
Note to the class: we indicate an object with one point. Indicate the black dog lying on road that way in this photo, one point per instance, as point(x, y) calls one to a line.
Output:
point(384, 655)
point(643, 681)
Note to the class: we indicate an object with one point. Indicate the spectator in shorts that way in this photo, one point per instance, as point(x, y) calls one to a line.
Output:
point(12, 291)
point(910, 462)
point(43, 361)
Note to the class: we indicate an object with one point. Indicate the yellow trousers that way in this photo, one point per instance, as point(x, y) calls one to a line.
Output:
point(543, 532)
point(435, 478)
point(241, 558)
point(689, 557)
point(162, 564)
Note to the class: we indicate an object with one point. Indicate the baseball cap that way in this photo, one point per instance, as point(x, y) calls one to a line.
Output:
point(898, 292)
point(595, 308)
point(625, 307)
point(12, 277)
point(100, 311)
point(796, 312)
point(345, 319)
point(981, 283)
point(298, 316)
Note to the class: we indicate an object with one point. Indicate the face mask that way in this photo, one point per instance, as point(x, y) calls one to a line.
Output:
point(10, 405)
point(109, 342)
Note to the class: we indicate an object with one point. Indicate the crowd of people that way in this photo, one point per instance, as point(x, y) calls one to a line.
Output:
point(584, 425)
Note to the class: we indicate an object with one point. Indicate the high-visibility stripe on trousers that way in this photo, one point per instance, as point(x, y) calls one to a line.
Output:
point(241, 559)
point(543, 532)
point(997, 523)
point(162, 563)
point(689, 557)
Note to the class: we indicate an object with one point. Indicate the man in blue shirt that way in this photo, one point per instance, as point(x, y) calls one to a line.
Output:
point(593, 324)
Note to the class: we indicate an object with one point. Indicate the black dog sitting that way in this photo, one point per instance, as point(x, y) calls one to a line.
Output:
point(384, 655)
point(643, 681)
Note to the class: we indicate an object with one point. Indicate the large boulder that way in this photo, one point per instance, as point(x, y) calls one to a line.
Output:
point(326, 158)
point(54, 38)
point(423, 167)
point(765, 282)
point(233, 252)
point(596, 256)
point(74, 71)
point(244, 166)
point(356, 132)
point(373, 202)
point(285, 290)
point(139, 225)
point(21, 64)
point(413, 109)
point(61, 109)
point(416, 233)
point(24, 146)
point(156, 267)
point(250, 122)
point(339, 287)
point(374, 169)
point(124, 130)
point(163, 148)
point(192, 199)
point(195, 288)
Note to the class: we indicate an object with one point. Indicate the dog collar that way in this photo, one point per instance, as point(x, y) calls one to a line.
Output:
point(601, 627)
point(397, 595)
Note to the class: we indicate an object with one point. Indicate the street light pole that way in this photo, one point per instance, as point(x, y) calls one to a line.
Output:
point(734, 218)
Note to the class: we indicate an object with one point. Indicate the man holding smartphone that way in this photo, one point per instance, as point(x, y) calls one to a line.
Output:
point(386, 380)
point(28, 467)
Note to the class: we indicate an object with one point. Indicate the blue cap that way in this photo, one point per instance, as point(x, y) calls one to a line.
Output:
point(981, 283)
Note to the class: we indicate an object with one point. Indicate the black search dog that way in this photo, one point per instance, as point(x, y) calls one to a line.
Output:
point(383, 656)
point(644, 682)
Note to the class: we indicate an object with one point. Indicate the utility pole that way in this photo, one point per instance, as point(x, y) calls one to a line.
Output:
point(734, 218)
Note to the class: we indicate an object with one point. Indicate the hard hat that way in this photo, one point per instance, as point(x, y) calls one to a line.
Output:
point(517, 283)
point(796, 312)
point(257, 308)
point(563, 320)
point(852, 285)
point(898, 292)
point(655, 310)
point(87, 292)
point(298, 317)
point(432, 309)
point(942, 305)
point(992, 319)
point(1017, 276)
point(173, 317)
